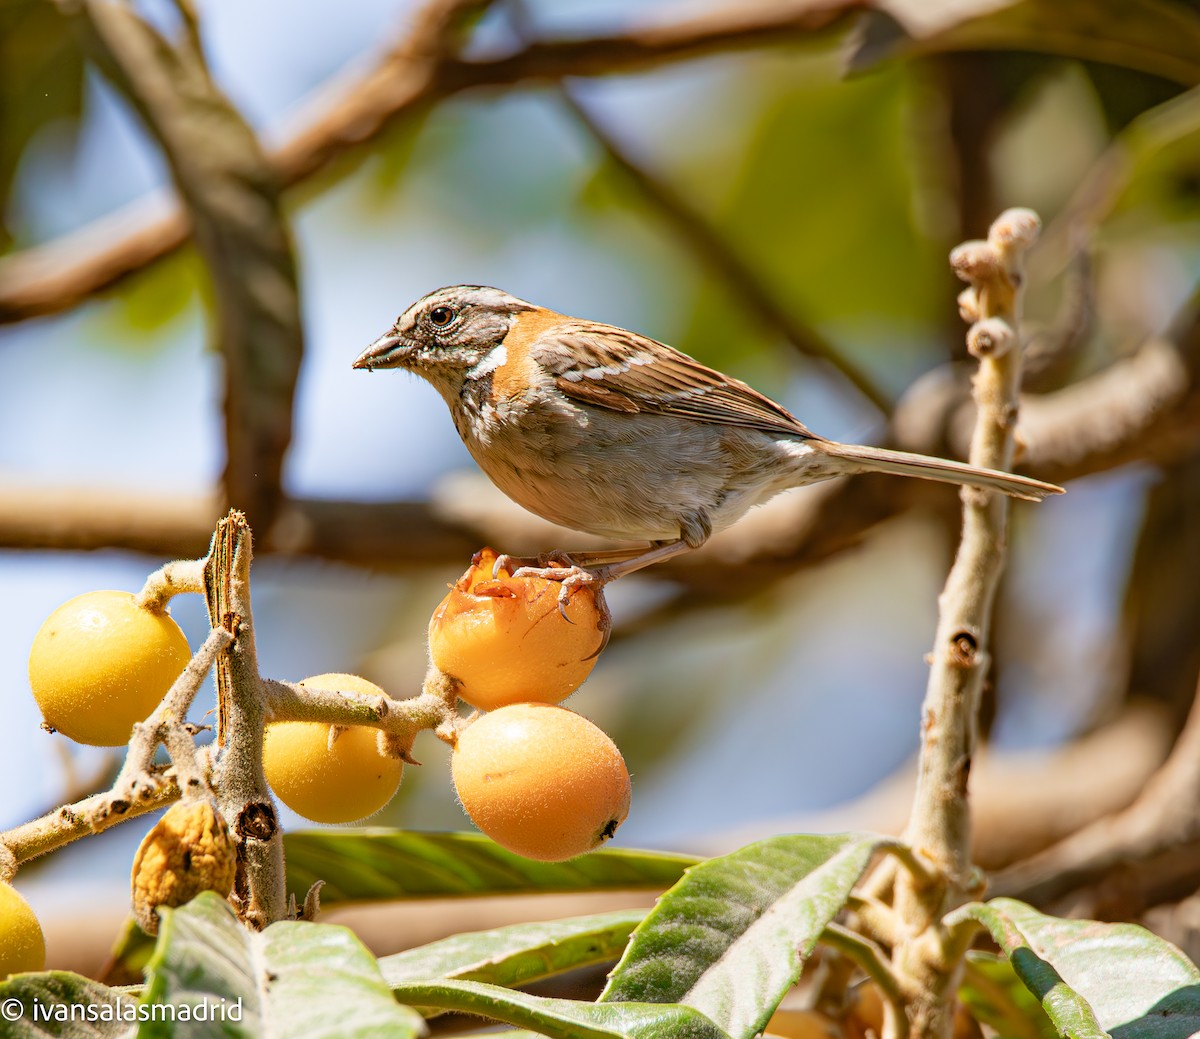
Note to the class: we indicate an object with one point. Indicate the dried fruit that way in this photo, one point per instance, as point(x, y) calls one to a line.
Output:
point(100, 663)
point(337, 783)
point(189, 850)
point(541, 781)
point(506, 640)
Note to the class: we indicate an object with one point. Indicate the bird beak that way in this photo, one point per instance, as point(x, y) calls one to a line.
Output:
point(386, 352)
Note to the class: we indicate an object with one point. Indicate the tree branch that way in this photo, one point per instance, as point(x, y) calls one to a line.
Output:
point(704, 242)
point(1145, 852)
point(343, 121)
point(940, 827)
point(233, 205)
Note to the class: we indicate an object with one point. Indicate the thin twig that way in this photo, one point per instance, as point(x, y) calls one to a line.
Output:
point(91, 815)
point(940, 827)
point(400, 719)
point(927, 964)
point(168, 725)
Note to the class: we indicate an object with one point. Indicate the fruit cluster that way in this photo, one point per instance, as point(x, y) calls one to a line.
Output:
point(537, 778)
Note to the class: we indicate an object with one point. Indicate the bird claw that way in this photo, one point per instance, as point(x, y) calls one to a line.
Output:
point(552, 566)
point(569, 575)
point(546, 561)
point(573, 576)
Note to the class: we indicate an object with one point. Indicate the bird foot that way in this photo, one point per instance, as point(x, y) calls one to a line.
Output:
point(569, 576)
point(546, 561)
point(560, 567)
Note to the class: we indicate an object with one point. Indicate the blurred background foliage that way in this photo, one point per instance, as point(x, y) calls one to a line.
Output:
point(777, 201)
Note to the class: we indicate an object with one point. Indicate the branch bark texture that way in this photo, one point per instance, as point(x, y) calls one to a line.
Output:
point(232, 198)
point(418, 71)
point(940, 827)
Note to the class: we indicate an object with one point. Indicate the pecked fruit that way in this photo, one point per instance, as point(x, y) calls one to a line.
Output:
point(189, 850)
point(506, 641)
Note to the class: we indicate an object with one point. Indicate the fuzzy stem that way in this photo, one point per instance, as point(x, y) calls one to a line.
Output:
point(400, 719)
point(70, 822)
point(920, 876)
point(167, 725)
point(182, 575)
point(875, 919)
point(940, 827)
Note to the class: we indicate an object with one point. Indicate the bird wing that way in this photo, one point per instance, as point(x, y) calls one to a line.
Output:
point(609, 367)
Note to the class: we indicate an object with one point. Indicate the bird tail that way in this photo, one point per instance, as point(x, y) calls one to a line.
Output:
point(862, 459)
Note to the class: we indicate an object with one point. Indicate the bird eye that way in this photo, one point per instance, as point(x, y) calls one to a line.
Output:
point(440, 317)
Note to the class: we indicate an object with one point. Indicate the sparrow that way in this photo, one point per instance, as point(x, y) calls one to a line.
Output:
point(606, 431)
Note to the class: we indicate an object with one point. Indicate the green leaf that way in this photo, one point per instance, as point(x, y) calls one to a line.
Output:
point(1095, 978)
point(1155, 36)
point(996, 997)
point(1152, 165)
point(563, 1018)
point(828, 166)
point(291, 979)
point(731, 937)
point(130, 954)
point(377, 864)
point(31, 1003)
point(516, 955)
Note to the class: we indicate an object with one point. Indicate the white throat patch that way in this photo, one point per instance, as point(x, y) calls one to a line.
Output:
point(495, 357)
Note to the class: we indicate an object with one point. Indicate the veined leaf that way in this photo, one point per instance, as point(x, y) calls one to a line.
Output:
point(292, 979)
point(1092, 978)
point(563, 1018)
point(61, 1004)
point(519, 954)
point(731, 937)
point(378, 864)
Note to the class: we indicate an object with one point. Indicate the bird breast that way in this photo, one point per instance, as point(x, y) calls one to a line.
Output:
point(616, 475)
